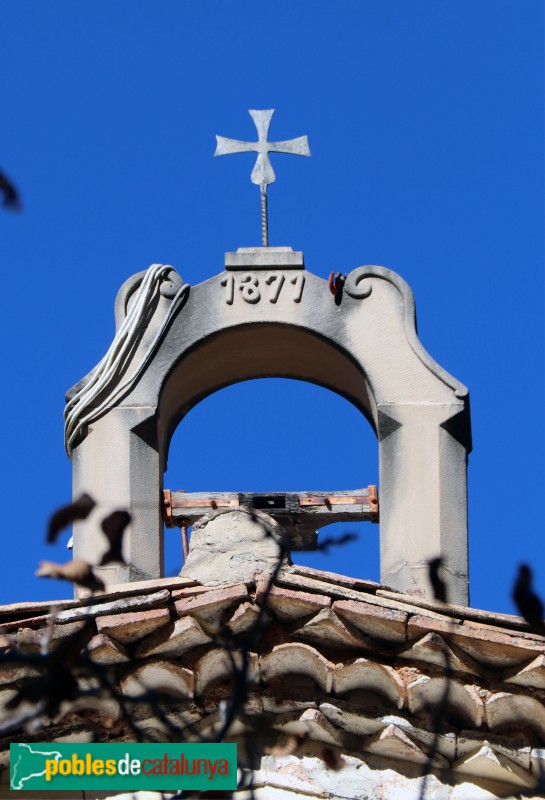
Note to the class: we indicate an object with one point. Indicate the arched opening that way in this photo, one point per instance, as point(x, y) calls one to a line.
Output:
point(279, 434)
point(245, 352)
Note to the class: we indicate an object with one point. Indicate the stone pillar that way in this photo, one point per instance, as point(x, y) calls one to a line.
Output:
point(423, 499)
point(118, 464)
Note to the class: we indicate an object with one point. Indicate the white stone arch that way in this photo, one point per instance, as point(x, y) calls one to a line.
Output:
point(361, 344)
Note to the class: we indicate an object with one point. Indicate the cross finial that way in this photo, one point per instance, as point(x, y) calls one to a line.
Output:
point(263, 173)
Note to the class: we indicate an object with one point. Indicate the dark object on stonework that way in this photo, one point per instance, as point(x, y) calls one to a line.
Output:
point(114, 527)
point(527, 601)
point(438, 584)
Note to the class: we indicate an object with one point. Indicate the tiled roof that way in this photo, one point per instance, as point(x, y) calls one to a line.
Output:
point(342, 662)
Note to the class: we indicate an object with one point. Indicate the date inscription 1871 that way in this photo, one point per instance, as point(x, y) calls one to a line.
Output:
point(253, 289)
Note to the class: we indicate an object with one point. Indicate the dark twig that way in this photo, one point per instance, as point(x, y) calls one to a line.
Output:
point(11, 198)
point(63, 517)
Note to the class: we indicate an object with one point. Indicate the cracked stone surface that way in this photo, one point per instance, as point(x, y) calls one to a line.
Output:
point(233, 546)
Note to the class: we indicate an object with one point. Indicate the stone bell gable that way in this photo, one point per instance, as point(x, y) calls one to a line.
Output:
point(265, 315)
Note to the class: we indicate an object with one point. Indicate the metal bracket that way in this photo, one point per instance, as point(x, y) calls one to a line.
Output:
point(167, 508)
point(373, 502)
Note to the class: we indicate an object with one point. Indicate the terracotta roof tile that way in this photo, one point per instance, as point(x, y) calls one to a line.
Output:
point(305, 583)
point(427, 694)
point(418, 626)
point(161, 676)
point(350, 718)
point(193, 591)
point(506, 711)
point(432, 648)
point(444, 743)
point(245, 617)
point(486, 628)
point(35, 608)
point(334, 578)
point(466, 745)
point(492, 765)
point(129, 603)
point(210, 605)
point(299, 659)
point(217, 665)
point(328, 630)
point(139, 587)
point(29, 640)
point(379, 622)
point(393, 742)
point(289, 604)
point(310, 723)
point(495, 649)
point(370, 676)
point(103, 650)
point(174, 639)
point(276, 704)
point(477, 615)
point(530, 674)
point(132, 626)
point(29, 622)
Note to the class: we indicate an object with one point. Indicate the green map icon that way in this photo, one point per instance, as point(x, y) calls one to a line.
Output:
point(28, 764)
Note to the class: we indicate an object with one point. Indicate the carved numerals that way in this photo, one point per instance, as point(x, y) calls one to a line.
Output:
point(249, 287)
point(252, 288)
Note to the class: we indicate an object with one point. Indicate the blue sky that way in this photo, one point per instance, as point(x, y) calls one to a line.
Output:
point(425, 122)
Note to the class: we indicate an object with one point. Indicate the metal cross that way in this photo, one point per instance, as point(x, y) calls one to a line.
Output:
point(263, 173)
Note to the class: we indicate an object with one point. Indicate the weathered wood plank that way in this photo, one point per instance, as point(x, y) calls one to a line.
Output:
point(301, 514)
